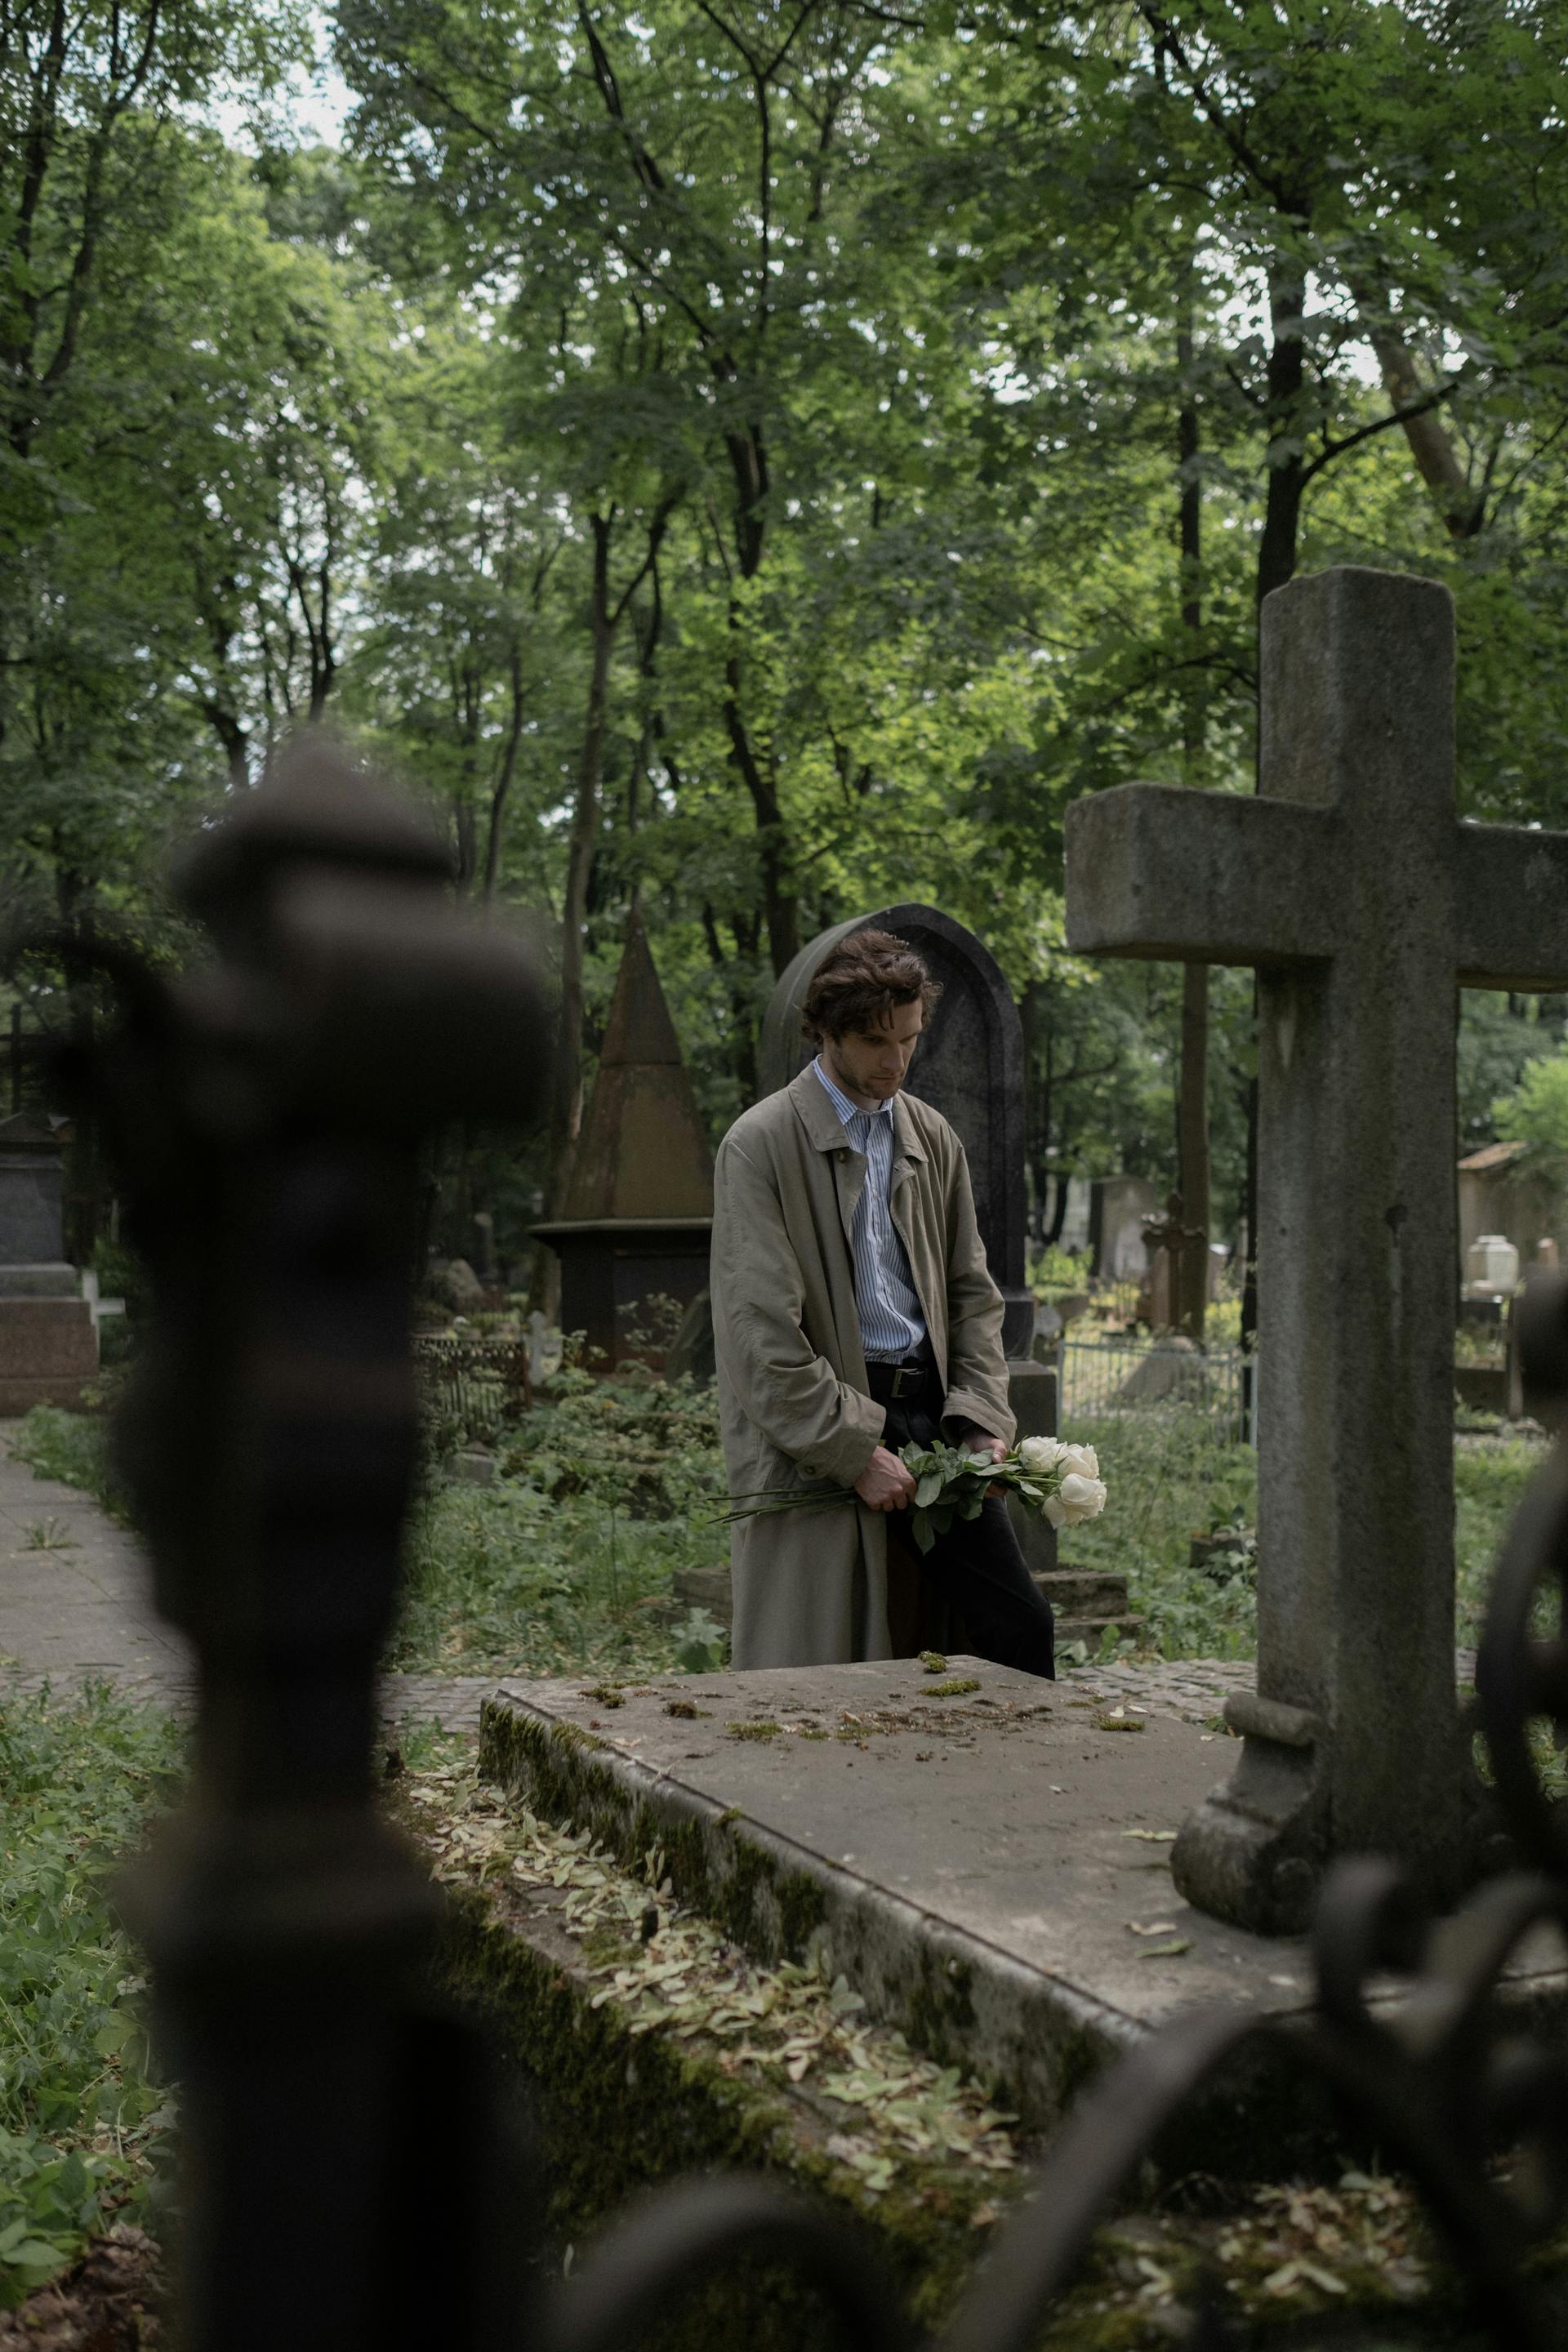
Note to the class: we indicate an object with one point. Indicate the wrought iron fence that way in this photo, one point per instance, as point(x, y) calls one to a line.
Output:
point(1101, 1378)
point(473, 1390)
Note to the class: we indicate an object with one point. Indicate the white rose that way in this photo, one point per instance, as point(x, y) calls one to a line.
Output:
point(1039, 1455)
point(1076, 1498)
point(1080, 1460)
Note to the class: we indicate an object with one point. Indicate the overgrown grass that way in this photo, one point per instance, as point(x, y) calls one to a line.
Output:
point(1490, 1480)
point(82, 2119)
point(1171, 1478)
point(565, 1566)
point(607, 1490)
point(72, 1447)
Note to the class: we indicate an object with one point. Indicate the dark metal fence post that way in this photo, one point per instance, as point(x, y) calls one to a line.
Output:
point(266, 1112)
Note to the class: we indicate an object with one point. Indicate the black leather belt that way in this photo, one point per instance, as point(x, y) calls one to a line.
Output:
point(905, 1379)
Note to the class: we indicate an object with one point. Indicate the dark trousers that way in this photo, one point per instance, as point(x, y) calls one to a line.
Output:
point(977, 1568)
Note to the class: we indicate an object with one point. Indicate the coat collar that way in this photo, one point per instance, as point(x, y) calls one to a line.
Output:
point(824, 1127)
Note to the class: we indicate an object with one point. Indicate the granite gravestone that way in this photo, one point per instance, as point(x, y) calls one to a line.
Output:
point(969, 1066)
point(639, 1212)
point(1364, 902)
point(31, 1187)
point(48, 1342)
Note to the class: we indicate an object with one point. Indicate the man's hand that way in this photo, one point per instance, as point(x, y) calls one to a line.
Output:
point(976, 1441)
point(885, 1485)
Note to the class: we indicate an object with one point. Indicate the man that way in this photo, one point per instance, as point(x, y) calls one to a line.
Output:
point(853, 1312)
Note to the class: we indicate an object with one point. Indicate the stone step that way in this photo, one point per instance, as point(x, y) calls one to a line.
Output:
point(706, 1588)
point(1092, 1629)
point(1084, 1591)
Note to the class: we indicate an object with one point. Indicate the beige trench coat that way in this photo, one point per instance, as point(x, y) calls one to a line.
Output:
point(811, 1587)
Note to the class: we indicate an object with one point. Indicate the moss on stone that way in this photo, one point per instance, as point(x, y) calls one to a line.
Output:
point(621, 2105)
point(616, 2114)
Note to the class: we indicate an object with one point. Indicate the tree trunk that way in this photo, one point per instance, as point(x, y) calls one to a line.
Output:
point(502, 791)
point(781, 907)
point(1192, 1101)
point(1193, 1148)
point(1287, 378)
point(743, 1040)
point(1276, 565)
point(567, 1106)
point(235, 738)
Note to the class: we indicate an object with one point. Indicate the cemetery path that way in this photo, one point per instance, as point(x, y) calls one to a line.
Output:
point(76, 1604)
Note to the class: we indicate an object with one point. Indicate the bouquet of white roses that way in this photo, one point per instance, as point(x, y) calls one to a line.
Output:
point(1061, 1482)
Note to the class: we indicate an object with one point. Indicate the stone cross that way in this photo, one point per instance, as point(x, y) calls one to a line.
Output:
point(1363, 903)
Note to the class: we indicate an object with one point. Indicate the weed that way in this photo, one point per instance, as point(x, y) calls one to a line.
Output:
point(565, 1566)
point(1172, 1474)
point(48, 1535)
point(72, 1447)
point(82, 2118)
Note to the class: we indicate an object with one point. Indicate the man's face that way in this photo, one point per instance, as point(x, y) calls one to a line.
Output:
point(873, 1063)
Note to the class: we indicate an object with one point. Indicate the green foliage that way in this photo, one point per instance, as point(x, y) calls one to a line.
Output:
point(565, 1566)
point(884, 364)
point(73, 1448)
point(1536, 1111)
point(1499, 1037)
point(83, 2120)
point(648, 1448)
point(1490, 1476)
point(1052, 1270)
point(1172, 1476)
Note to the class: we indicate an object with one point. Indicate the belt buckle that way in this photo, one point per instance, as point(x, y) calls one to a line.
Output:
point(911, 1374)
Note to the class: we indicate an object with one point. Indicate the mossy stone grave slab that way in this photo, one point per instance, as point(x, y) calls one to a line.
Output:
point(986, 1857)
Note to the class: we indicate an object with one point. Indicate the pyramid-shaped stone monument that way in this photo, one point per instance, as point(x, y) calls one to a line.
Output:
point(640, 1209)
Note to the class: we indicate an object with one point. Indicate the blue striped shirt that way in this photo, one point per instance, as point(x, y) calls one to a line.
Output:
point(892, 1321)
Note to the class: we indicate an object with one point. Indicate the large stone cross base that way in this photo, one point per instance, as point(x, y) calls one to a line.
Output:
point(1256, 1850)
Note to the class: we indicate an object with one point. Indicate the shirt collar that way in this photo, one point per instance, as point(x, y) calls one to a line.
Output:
point(841, 1103)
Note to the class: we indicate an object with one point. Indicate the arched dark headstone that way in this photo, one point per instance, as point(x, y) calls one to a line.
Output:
point(969, 1066)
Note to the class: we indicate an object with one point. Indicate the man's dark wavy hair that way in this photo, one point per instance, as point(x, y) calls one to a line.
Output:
point(862, 979)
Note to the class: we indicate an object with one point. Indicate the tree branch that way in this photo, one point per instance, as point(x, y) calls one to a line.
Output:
point(1332, 449)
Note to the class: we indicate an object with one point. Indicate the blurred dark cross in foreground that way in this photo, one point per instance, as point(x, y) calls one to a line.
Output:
point(265, 1110)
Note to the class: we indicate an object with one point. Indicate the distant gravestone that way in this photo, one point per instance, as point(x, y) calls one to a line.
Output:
point(1349, 883)
point(969, 1066)
point(32, 1180)
point(1118, 1208)
point(48, 1341)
